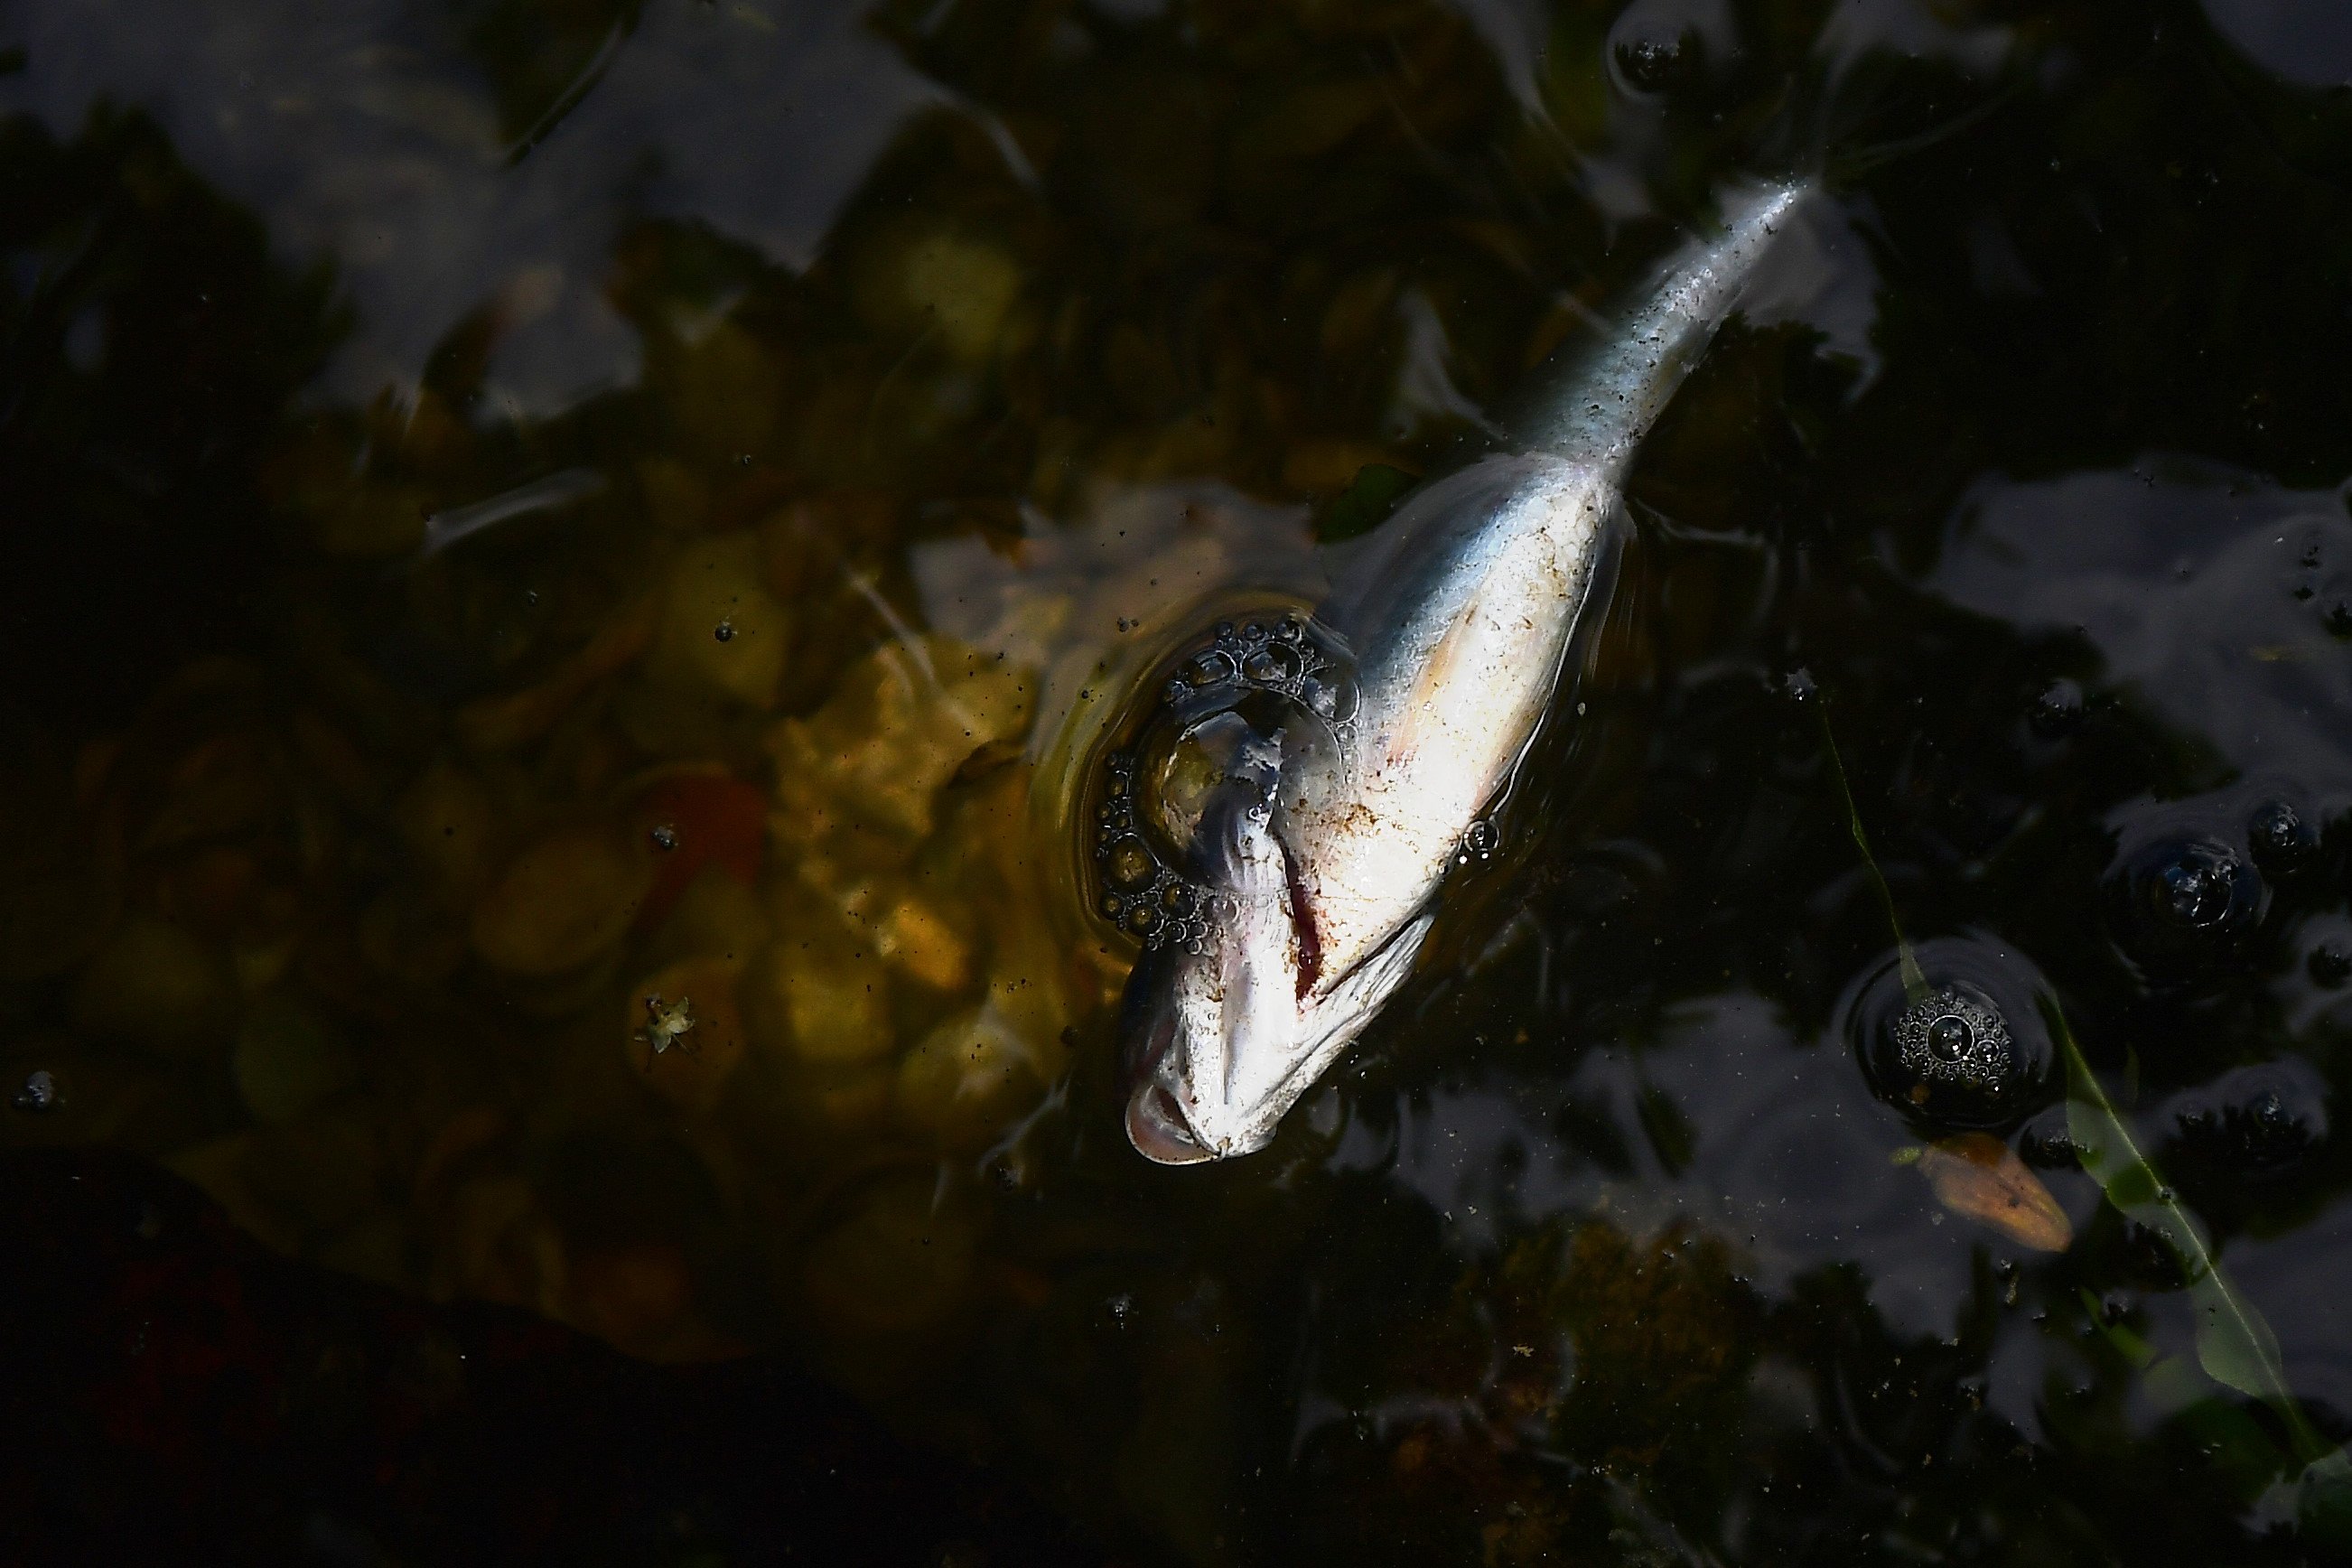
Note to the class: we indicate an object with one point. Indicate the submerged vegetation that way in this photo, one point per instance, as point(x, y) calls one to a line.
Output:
point(570, 571)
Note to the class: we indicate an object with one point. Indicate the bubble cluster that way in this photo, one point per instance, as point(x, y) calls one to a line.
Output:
point(1968, 1051)
point(1141, 893)
point(1257, 691)
point(1281, 658)
point(1949, 1037)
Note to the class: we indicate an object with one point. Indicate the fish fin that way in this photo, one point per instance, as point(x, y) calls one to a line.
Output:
point(1331, 1025)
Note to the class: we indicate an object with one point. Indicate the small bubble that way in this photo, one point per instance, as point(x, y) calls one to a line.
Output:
point(1211, 668)
point(1128, 864)
point(724, 631)
point(2331, 964)
point(664, 836)
point(1271, 665)
point(2339, 619)
point(1949, 1038)
point(2280, 839)
point(1656, 64)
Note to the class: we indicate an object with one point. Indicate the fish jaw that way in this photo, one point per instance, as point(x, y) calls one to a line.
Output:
point(1210, 1031)
point(1174, 1116)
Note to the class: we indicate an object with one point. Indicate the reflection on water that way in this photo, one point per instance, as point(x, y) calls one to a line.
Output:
point(573, 559)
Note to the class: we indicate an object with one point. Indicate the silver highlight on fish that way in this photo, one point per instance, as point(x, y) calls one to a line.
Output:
point(1319, 849)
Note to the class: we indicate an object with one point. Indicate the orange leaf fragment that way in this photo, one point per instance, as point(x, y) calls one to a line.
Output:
point(1976, 1174)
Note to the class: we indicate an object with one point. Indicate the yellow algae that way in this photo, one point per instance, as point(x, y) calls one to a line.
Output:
point(968, 1077)
point(918, 940)
point(720, 627)
point(446, 819)
point(836, 998)
point(900, 724)
point(944, 285)
point(155, 984)
point(503, 722)
point(559, 904)
point(896, 1264)
point(725, 388)
point(677, 498)
point(286, 1061)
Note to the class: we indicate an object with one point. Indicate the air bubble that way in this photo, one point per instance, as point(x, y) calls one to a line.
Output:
point(2283, 842)
point(1656, 64)
point(1128, 865)
point(2177, 904)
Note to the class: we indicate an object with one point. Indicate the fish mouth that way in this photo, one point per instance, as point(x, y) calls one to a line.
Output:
point(1157, 1126)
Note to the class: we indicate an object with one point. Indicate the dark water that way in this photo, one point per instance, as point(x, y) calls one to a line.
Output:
point(401, 399)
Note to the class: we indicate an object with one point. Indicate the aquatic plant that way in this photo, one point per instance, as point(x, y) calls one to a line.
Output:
point(2306, 1478)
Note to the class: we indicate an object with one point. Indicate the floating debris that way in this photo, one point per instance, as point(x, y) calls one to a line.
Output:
point(444, 529)
point(2058, 711)
point(666, 1022)
point(40, 1094)
point(1977, 1176)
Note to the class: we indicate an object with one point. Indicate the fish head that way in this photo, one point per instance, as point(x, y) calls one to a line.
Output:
point(1221, 1035)
point(1210, 1024)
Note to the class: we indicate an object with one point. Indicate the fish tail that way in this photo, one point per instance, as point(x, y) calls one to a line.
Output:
point(1617, 389)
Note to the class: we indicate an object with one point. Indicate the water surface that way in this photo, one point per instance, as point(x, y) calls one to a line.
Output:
point(519, 506)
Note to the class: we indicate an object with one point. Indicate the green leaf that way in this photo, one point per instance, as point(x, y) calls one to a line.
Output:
point(2322, 1500)
point(2235, 1345)
point(1915, 980)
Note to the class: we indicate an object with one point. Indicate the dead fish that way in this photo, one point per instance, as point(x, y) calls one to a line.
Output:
point(1316, 856)
point(564, 486)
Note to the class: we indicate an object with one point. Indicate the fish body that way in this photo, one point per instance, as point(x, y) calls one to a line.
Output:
point(1458, 617)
